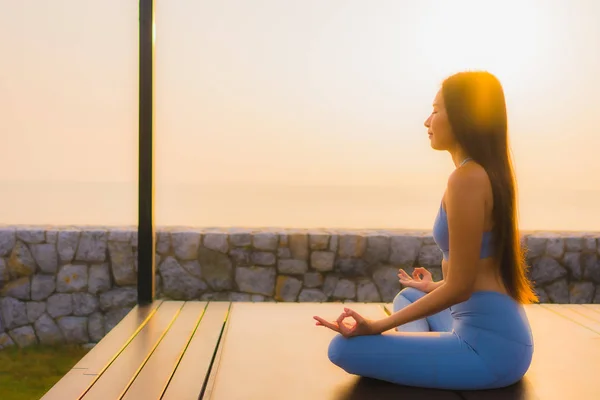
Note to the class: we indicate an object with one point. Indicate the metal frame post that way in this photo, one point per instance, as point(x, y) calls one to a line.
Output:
point(146, 232)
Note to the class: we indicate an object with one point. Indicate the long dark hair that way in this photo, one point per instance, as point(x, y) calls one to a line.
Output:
point(476, 109)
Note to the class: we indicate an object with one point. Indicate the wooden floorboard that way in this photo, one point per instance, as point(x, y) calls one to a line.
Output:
point(581, 309)
point(192, 371)
point(571, 314)
point(74, 384)
point(113, 382)
point(71, 386)
point(117, 339)
point(593, 307)
point(179, 350)
point(156, 373)
point(210, 381)
point(275, 351)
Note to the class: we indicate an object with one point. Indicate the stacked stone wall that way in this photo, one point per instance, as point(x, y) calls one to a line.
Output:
point(74, 284)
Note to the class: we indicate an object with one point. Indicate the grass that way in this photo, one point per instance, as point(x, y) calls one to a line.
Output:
point(27, 374)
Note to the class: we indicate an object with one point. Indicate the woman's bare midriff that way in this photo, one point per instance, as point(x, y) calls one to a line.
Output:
point(488, 276)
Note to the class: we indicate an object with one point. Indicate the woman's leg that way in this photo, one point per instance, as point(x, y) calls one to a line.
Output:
point(403, 299)
point(490, 346)
point(440, 322)
point(425, 359)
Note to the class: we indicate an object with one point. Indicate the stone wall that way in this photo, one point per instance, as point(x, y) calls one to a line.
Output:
point(74, 284)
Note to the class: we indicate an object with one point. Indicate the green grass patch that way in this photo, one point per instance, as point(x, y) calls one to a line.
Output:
point(26, 374)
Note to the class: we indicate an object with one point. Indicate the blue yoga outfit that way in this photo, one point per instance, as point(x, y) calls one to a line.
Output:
point(441, 237)
point(482, 343)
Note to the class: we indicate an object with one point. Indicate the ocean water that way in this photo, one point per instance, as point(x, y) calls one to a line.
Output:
point(264, 205)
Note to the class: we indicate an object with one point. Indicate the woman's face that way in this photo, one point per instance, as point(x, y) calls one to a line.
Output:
point(438, 126)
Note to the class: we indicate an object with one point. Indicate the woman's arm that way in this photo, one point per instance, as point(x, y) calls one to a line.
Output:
point(465, 204)
point(439, 299)
point(433, 285)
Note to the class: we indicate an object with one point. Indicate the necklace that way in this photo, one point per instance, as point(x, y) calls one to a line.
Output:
point(465, 160)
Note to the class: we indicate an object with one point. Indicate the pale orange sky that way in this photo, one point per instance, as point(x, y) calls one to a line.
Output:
point(291, 93)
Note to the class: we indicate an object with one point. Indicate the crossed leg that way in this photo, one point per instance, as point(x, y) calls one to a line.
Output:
point(423, 353)
point(440, 322)
point(439, 360)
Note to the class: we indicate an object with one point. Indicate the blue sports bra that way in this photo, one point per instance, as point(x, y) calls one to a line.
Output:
point(440, 234)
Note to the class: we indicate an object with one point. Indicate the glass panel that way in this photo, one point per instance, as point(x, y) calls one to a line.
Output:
point(69, 112)
point(310, 113)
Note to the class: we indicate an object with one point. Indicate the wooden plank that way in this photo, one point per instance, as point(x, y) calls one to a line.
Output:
point(275, 351)
point(568, 313)
point(564, 362)
point(156, 373)
point(71, 386)
point(210, 382)
point(193, 369)
point(593, 307)
point(75, 383)
point(117, 339)
point(580, 309)
point(113, 382)
point(548, 325)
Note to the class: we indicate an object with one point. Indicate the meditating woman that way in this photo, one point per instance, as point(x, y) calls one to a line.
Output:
point(468, 330)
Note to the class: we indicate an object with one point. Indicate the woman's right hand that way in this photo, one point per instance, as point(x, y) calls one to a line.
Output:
point(423, 283)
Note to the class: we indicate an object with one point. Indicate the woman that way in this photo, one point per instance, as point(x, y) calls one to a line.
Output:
point(469, 330)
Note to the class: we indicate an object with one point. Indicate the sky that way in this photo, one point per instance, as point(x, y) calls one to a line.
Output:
point(289, 113)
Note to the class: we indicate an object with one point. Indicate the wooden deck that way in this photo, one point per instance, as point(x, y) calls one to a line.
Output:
point(238, 351)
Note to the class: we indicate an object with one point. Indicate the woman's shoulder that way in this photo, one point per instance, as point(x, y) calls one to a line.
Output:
point(471, 177)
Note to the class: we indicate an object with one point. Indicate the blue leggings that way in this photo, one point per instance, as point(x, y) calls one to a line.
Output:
point(482, 343)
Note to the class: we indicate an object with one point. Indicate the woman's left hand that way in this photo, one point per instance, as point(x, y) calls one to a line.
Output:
point(360, 327)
